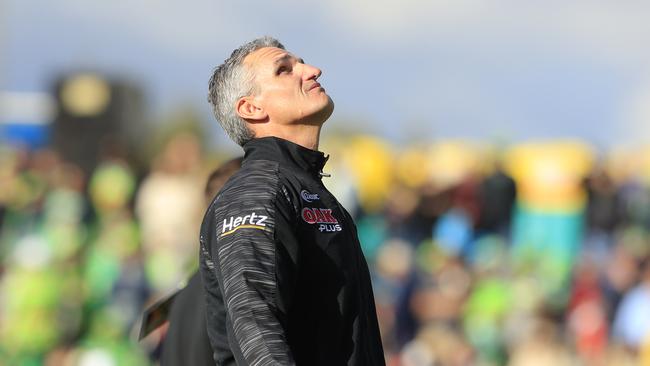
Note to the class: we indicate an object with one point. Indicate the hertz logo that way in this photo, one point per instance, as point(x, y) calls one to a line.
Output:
point(252, 221)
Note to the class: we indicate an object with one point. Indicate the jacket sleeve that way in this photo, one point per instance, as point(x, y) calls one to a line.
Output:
point(248, 252)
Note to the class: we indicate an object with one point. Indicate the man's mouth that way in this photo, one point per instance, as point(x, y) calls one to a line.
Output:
point(314, 85)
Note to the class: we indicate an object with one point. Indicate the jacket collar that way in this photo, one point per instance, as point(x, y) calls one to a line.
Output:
point(284, 151)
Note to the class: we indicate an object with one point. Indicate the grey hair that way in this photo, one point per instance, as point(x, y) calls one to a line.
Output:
point(232, 80)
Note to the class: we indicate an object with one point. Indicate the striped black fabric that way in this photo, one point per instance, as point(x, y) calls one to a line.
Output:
point(244, 214)
point(286, 282)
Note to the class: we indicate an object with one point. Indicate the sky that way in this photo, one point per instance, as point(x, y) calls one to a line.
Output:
point(407, 70)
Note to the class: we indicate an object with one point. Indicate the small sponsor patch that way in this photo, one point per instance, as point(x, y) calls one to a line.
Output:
point(252, 221)
point(308, 197)
point(318, 216)
point(323, 217)
point(329, 228)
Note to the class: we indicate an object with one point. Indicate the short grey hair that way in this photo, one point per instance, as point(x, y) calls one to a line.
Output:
point(232, 80)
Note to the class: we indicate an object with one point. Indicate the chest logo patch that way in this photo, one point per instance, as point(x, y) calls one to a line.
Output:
point(308, 197)
point(323, 217)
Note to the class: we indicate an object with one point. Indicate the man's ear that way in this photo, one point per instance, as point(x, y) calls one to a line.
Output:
point(248, 108)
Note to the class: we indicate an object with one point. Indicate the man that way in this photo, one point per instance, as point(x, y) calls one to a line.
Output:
point(286, 282)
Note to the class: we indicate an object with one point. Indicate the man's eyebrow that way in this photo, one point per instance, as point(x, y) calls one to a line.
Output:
point(287, 57)
point(283, 58)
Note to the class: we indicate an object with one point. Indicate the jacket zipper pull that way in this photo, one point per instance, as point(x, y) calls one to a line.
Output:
point(324, 174)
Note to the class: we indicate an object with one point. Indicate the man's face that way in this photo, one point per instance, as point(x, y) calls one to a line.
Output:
point(286, 87)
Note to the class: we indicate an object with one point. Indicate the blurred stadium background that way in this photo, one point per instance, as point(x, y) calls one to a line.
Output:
point(496, 159)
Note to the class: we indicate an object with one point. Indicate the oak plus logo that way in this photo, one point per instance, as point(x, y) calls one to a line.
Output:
point(252, 221)
point(308, 197)
point(323, 217)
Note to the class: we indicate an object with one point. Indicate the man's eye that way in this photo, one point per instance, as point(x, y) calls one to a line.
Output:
point(282, 69)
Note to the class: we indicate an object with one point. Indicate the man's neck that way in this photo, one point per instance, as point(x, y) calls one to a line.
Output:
point(304, 135)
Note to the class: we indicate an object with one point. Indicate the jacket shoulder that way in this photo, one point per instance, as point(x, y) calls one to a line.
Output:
point(254, 177)
point(253, 188)
point(258, 187)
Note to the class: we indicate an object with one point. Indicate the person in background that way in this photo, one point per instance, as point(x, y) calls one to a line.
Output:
point(169, 205)
point(632, 321)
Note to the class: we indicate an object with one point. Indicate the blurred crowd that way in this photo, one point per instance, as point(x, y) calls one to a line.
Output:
point(533, 254)
point(81, 255)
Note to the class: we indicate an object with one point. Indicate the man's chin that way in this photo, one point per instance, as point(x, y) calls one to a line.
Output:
point(320, 115)
point(328, 109)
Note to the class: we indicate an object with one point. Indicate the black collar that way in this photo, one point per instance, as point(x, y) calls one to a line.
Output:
point(284, 151)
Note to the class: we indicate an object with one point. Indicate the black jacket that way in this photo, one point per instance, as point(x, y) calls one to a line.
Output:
point(286, 282)
point(186, 341)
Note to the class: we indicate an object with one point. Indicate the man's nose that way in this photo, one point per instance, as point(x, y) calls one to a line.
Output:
point(311, 72)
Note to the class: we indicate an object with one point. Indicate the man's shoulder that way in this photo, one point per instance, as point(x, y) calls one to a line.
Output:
point(256, 182)
point(260, 186)
point(248, 201)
